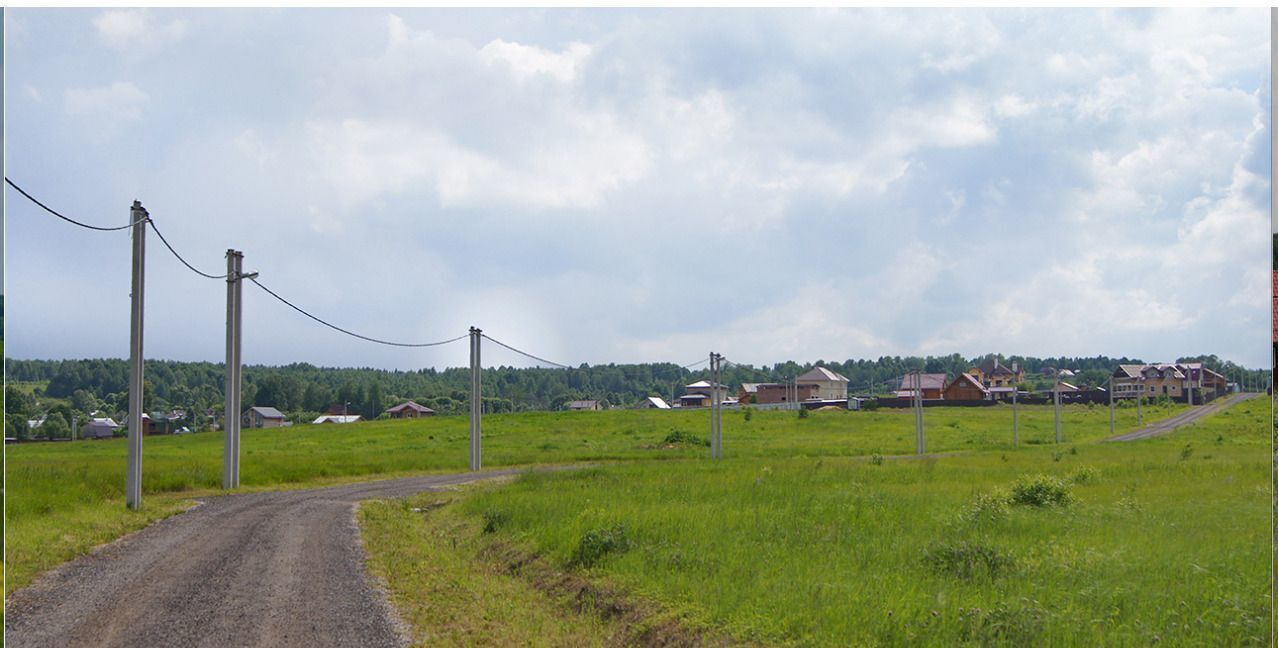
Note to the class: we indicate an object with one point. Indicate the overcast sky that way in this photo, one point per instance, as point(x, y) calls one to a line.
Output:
point(631, 186)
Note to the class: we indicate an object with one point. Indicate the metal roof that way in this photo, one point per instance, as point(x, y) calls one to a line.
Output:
point(265, 412)
point(821, 373)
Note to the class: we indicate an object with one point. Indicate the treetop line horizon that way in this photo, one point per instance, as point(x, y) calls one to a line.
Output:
point(139, 220)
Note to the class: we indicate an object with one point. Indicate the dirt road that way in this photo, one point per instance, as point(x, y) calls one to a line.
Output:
point(1184, 418)
point(261, 569)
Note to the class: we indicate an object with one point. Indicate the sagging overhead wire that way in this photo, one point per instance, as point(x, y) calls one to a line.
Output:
point(352, 333)
point(523, 353)
point(179, 256)
point(65, 218)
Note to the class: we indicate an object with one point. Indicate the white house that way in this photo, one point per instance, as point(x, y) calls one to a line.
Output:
point(830, 385)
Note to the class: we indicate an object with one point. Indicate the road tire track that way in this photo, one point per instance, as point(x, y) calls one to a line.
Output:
point(1171, 424)
point(262, 569)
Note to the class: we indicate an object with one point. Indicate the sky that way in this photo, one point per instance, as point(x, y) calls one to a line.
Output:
point(598, 185)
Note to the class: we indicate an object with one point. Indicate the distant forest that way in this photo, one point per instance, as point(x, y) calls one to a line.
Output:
point(303, 390)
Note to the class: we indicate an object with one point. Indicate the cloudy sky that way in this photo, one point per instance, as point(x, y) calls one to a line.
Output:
point(625, 186)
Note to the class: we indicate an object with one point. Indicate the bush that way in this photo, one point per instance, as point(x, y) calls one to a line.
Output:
point(870, 405)
point(679, 436)
point(987, 507)
point(966, 560)
point(1085, 475)
point(876, 459)
point(1186, 451)
point(803, 412)
point(1041, 491)
point(597, 543)
point(749, 413)
point(494, 520)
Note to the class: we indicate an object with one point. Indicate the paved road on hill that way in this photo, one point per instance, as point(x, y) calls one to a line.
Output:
point(1184, 418)
point(260, 569)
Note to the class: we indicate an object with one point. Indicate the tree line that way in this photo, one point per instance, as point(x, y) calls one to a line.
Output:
point(75, 388)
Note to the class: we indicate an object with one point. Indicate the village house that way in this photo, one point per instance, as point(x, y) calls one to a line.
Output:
point(409, 410)
point(263, 417)
point(583, 406)
point(966, 387)
point(769, 393)
point(931, 384)
point(694, 400)
point(830, 386)
point(747, 392)
point(1170, 380)
point(993, 373)
point(652, 402)
point(99, 428)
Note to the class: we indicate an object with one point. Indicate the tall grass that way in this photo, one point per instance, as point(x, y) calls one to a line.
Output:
point(63, 498)
point(1147, 548)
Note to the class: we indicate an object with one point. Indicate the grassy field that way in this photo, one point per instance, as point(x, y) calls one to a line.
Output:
point(1164, 541)
point(65, 498)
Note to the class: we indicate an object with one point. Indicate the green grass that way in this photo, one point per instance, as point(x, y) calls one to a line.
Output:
point(1159, 545)
point(65, 498)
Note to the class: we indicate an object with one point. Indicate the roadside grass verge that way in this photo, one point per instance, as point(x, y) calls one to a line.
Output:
point(62, 499)
point(453, 585)
point(1134, 544)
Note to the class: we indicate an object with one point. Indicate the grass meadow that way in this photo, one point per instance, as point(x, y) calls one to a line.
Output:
point(1159, 541)
point(62, 499)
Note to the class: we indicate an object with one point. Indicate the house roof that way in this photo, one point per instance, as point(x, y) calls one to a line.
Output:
point(656, 402)
point(103, 422)
point(1066, 387)
point(750, 388)
point(337, 418)
point(970, 379)
point(265, 412)
point(694, 397)
point(821, 373)
point(581, 404)
point(992, 367)
point(700, 383)
point(421, 409)
point(928, 381)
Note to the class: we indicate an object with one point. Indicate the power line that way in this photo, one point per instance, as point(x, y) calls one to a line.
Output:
point(179, 256)
point(694, 364)
point(69, 220)
point(524, 353)
point(352, 333)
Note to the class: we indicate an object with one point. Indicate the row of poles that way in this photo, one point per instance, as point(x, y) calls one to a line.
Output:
point(234, 379)
point(234, 368)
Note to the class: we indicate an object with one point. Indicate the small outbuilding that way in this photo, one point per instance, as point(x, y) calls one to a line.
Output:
point(652, 402)
point(263, 417)
point(966, 387)
point(583, 406)
point(409, 410)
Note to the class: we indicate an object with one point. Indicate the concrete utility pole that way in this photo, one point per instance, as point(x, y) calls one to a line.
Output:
point(133, 482)
point(476, 413)
point(234, 368)
point(1140, 396)
point(1057, 401)
point(1111, 403)
point(1016, 431)
point(918, 412)
point(716, 407)
point(1189, 384)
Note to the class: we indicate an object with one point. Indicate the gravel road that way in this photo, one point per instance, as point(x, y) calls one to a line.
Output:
point(260, 569)
point(1184, 418)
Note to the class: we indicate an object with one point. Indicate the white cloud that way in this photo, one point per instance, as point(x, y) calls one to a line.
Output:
point(104, 109)
point(529, 61)
point(136, 30)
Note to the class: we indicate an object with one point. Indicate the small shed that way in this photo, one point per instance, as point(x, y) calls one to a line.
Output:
point(409, 410)
point(582, 406)
point(652, 402)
